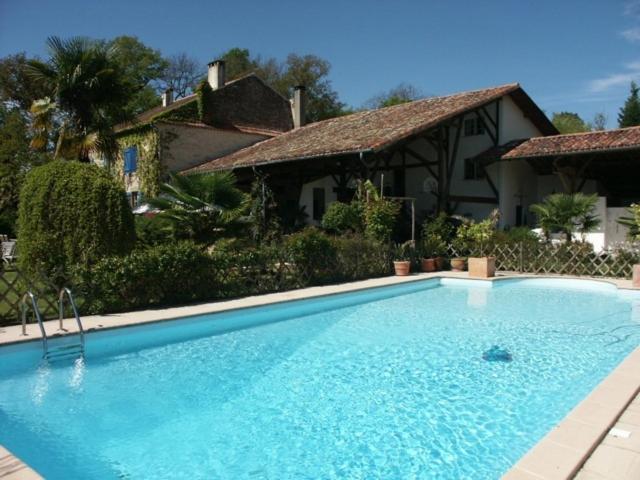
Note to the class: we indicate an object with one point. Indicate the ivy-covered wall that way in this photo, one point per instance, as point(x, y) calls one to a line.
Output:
point(149, 168)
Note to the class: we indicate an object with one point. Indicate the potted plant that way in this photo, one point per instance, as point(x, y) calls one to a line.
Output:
point(438, 231)
point(477, 237)
point(432, 246)
point(402, 262)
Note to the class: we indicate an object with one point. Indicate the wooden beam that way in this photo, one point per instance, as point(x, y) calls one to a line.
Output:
point(492, 185)
point(471, 199)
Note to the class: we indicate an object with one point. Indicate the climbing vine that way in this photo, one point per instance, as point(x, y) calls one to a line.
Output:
point(203, 94)
point(189, 112)
point(149, 170)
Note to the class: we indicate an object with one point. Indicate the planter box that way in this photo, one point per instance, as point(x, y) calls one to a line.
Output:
point(635, 281)
point(482, 267)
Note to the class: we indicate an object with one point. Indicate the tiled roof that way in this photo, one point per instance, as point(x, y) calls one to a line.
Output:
point(371, 130)
point(495, 153)
point(576, 143)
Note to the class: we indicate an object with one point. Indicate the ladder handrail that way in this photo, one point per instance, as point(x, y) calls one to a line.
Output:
point(36, 313)
point(61, 296)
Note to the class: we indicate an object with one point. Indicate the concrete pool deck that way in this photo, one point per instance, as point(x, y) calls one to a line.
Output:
point(579, 441)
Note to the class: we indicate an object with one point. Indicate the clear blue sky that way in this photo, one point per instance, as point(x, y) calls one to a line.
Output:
point(568, 55)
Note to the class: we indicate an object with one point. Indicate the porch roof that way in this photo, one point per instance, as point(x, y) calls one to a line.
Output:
point(373, 130)
point(605, 141)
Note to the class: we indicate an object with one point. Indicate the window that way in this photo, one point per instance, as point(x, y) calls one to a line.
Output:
point(130, 159)
point(473, 126)
point(318, 203)
point(473, 169)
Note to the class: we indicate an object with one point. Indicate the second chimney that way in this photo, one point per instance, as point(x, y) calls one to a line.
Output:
point(215, 75)
point(299, 105)
point(167, 97)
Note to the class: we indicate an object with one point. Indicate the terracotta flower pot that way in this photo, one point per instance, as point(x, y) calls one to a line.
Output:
point(428, 264)
point(458, 264)
point(439, 263)
point(402, 268)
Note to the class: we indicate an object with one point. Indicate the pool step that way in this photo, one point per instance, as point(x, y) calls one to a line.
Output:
point(65, 351)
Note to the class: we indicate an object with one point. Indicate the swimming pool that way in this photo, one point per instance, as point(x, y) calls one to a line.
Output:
point(386, 383)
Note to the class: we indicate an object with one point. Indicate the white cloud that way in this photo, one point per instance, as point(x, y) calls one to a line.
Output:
point(631, 34)
point(618, 79)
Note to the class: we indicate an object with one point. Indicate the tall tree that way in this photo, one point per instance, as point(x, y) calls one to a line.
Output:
point(86, 91)
point(569, 122)
point(402, 93)
point(182, 74)
point(308, 70)
point(629, 115)
point(16, 159)
point(17, 87)
point(142, 67)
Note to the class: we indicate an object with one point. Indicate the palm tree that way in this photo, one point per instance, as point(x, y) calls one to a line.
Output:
point(87, 97)
point(632, 221)
point(567, 213)
point(202, 207)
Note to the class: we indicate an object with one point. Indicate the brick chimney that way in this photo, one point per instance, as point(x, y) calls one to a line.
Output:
point(167, 97)
point(299, 106)
point(216, 74)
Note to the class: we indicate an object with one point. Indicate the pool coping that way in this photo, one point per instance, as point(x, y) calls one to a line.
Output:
point(558, 455)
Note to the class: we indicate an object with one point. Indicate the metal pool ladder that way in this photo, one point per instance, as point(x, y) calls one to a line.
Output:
point(73, 349)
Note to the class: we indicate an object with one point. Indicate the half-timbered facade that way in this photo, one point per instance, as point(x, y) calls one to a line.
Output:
point(427, 150)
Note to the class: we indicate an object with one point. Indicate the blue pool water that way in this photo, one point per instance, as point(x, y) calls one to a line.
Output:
point(386, 383)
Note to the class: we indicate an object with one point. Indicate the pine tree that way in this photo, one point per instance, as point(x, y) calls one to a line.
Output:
point(629, 115)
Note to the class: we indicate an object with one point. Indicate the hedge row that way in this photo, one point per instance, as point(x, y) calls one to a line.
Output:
point(183, 272)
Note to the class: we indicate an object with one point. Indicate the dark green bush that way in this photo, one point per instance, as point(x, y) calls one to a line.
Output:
point(359, 257)
point(515, 235)
point(71, 213)
point(152, 231)
point(313, 254)
point(163, 275)
point(343, 217)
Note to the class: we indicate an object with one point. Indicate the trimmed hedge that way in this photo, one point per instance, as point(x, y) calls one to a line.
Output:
point(183, 272)
point(168, 274)
point(71, 214)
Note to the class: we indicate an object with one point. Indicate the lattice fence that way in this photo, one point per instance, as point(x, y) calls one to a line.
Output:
point(14, 284)
point(562, 259)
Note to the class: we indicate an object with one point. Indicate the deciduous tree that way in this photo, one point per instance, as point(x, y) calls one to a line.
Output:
point(569, 122)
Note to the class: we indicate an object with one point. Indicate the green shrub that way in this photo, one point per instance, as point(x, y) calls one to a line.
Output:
point(439, 226)
point(516, 235)
point(343, 217)
point(152, 231)
point(163, 275)
point(359, 257)
point(71, 213)
point(380, 217)
point(313, 254)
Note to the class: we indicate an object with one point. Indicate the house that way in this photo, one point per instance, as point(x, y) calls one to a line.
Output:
point(467, 153)
point(428, 150)
point(602, 162)
point(220, 118)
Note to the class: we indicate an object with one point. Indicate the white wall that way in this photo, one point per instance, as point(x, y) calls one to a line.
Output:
point(306, 196)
